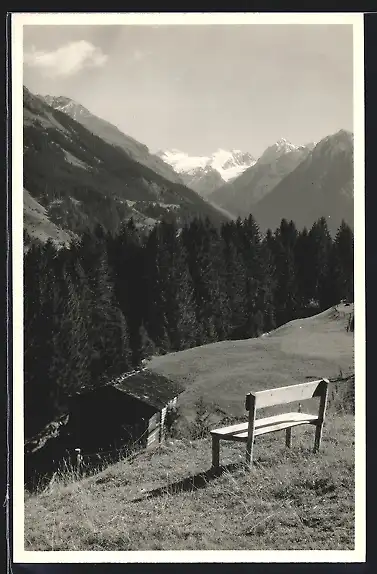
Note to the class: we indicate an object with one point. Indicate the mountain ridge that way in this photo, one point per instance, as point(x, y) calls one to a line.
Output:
point(81, 180)
point(206, 173)
point(321, 185)
point(112, 134)
point(243, 193)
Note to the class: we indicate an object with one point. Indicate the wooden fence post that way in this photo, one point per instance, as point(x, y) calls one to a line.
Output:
point(321, 414)
point(251, 407)
point(215, 452)
point(288, 437)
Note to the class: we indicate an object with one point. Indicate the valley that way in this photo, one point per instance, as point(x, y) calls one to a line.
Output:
point(82, 180)
point(84, 170)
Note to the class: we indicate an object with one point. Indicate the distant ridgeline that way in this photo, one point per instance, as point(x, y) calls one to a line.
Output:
point(95, 310)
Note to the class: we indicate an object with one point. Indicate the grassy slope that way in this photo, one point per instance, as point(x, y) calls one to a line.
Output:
point(222, 373)
point(167, 499)
point(38, 225)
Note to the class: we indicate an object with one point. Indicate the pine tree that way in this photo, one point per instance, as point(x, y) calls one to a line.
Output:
point(258, 278)
point(267, 302)
point(38, 390)
point(285, 296)
point(344, 262)
point(234, 306)
point(171, 304)
point(108, 333)
point(320, 246)
point(304, 271)
point(197, 238)
point(179, 296)
point(155, 296)
point(127, 272)
point(68, 367)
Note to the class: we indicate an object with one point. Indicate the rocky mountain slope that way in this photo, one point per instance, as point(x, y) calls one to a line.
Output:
point(111, 134)
point(321, 185)
point(241, 194)
point(80, 179)
point(204, 174)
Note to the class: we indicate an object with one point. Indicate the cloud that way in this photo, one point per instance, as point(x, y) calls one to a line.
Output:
point(66, 60)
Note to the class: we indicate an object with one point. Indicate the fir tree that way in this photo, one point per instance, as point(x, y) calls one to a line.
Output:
point(108, 336)
point(344, 262)
point(285, 295)
point(234, 306)
point(126, 267)
point(320, 246)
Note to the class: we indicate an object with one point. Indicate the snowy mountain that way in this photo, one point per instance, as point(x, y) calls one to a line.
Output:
point(241, 194)
point(280, 148)
point(321, 185)
point(204, 174)
point(68, 106)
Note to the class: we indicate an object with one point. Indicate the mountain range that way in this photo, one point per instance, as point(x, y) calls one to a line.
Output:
point(79, 179)
point(298, 182)
point(243, 193)
point(320, 185)
point(80, 170)
point(204, 174)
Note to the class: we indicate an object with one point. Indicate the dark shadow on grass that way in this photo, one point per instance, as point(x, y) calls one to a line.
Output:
point(189, 483)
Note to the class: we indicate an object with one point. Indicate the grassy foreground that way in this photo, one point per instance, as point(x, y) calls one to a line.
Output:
point(168, 499)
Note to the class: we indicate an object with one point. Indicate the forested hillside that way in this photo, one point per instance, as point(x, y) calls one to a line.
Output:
point(82, 180)
point(96, 309)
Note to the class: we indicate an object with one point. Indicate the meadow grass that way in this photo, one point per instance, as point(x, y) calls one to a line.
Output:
point(223, 373)
point(168, 499)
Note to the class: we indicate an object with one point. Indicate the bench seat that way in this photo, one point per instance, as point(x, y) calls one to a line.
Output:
point(247, 431)
point(266, 425)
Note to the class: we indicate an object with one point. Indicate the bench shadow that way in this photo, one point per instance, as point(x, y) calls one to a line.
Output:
point(189, 483)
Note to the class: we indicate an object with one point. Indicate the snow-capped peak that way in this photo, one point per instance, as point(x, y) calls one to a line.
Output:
point(228, 163)
point(66, 105)
point(279, 148)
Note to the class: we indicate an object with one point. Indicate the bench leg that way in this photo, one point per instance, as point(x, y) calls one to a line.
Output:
point(215, 452)
point(288, 437)
point(318, 436)
point(249, 453)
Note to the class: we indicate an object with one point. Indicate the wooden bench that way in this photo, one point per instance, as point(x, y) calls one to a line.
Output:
point(246, 432)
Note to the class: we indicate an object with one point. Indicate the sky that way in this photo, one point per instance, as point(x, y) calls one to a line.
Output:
point(201, 88)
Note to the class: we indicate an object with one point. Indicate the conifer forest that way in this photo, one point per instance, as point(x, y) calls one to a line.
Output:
point(96, 309)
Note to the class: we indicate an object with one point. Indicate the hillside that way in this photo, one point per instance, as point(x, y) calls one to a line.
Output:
point(81, 180)
point(222, 373)
point(242, 193)
point(322, 185)
point(38, 226)
point(168, 498)
point(112, 135)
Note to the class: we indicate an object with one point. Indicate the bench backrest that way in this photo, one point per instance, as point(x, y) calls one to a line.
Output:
point(284, 395)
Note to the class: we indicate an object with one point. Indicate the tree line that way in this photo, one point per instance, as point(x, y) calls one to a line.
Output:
point(97, 308)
